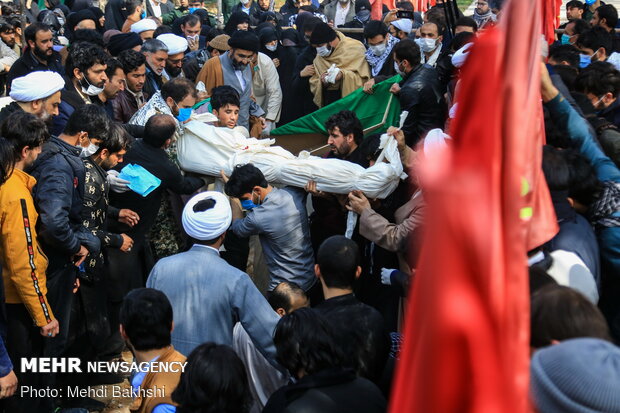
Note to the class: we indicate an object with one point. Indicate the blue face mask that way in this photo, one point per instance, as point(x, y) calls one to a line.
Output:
point(184, 114)
point(192, 9)
point(590, 2)
point(565, 39)
point(248, 204)
point(584, 60)
point(143, 15)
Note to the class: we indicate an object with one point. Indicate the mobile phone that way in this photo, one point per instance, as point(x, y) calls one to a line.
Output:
point(404, 14)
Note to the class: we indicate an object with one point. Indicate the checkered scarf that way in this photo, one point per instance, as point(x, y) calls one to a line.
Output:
point(601, 210)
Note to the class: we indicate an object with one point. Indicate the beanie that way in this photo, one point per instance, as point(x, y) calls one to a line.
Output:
point(322, 33)
point(577, 376)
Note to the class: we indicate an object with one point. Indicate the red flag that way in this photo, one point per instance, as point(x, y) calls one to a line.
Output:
point(551, 18)
point(467, 327)
point(424, 5)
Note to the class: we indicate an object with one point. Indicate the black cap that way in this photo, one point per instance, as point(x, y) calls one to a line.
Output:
point(322, 33)
point(244, 40)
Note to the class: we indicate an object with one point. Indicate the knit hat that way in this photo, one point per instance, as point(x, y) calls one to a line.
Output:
point(404, 25)
point(322, 33)
point(244, 40)
point(123, 41)
point(577, 376)
point(220, 42)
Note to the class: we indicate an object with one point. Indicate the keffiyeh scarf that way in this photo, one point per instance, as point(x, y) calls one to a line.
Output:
point(376, 62)
point(601, 210)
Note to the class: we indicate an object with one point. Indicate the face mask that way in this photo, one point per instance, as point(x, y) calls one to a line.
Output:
point(271, 48)
point(584, 60)
point(565, 39)
point(590, 2)
point(397, 68)
point(248, 204)
point(194, 37)
point(426, 44)
point(378, 49)
point(143, 15)
point(184, 114)
point(192, 9)
point(323, 51)
point(91, 149)
point(91, 90)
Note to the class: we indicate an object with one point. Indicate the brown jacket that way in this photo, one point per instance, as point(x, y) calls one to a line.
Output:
point(163, 384)
point(125, 105)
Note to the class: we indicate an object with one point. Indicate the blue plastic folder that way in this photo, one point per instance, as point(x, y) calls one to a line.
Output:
point(140, 180)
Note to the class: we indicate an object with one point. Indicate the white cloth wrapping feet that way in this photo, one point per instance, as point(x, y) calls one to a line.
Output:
point(206, 149)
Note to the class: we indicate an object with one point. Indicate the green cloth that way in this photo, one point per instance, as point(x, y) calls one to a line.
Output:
point(370, 109)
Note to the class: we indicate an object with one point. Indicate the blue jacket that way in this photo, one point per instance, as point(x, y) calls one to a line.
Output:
point(59, 196)
point(576, 128)
point(208, 296)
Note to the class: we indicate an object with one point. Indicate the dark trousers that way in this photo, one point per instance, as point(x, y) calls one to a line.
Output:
point(60, 297)
point(24, 341)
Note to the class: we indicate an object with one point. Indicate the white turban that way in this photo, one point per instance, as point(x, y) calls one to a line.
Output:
point(143, 26)
point(404, 25)
point(176, 44)
point(434, 142)
point(459, 57)
point(36, 85)
point(210, 223)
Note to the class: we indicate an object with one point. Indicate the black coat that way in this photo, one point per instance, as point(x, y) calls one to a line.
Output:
point(301, 85)
point(59, 197)
point(255, 12)
point(28, 64)
point(288, 57)
point(156, 161)
point(329, 391)
point(421, 95)
point(360, 334)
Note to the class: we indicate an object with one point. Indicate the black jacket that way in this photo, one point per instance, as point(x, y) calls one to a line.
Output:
point(329, 391)
point(28, 64)
point(255, 12)
point(301, 85)
point(360, 334)
point(156, 161)
point(8, 109)
point(59, 197)
point(421, 95)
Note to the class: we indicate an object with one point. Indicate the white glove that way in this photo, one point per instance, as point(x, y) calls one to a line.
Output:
point(117, 184)
point(332, 72)
point(386, 275)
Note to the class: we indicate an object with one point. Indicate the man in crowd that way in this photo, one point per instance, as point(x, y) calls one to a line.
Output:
point(225, 105)
point(606, 17)
point(29, 314)
point(358, 327)
point(59, 196)
point(146, 326)
point(574, 10)
point(206, 293)
point(347, 54)
point(7, 35)
point(86, 79)
point(400, 29)
point(156, 53)
point(37, 93)
point(132, 97)
point(339, 12)
point(177, 46)
point(379, 54)
point(145, 28)
point(430, 43)
point(176, 98)
point(39, 54)
point(572, 31)
point(600, 82)
point(233, 68)
point(114, 85)
point(191, 27)
point(279, 218)
point(483, 15)
point(419, 92)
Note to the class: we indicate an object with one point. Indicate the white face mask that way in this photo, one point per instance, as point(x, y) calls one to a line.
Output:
point(91, 149)
point(427, 44)
point(194, 37)
point(271, 47)
point(323, 51)
point(91, 90)
point(378, 49)
point(400, 72)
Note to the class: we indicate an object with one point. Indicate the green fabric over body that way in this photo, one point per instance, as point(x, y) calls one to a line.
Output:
point(371, 109)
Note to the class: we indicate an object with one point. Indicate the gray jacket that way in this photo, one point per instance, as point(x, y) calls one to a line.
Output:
point(248, 105)
point(208, 296)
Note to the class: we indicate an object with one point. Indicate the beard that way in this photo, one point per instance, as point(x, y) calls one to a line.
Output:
point(239, 66)
point(41, 54)
point(173, 71)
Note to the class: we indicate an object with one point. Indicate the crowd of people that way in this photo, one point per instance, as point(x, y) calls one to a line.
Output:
point(108, 245)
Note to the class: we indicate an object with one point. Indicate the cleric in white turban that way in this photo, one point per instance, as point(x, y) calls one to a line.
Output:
point(207, 216)
point(176, 44)
point(37, 93)
point(144, 28)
